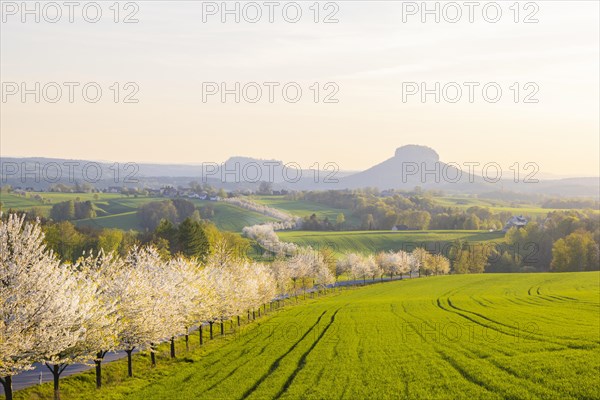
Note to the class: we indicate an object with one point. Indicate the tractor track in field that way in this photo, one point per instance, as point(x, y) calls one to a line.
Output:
point(462, 314)
point(464, 373)
point(226, 355)
point(481, 303)
point(275, 364)
point(233, 371)
point(469, 377)
point(573, 343)
point(449, 360)
point(304, 356)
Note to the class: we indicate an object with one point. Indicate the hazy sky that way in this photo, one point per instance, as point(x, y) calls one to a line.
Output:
point(370, 54)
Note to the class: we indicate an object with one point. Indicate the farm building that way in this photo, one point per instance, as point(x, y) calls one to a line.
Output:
point(518, 221)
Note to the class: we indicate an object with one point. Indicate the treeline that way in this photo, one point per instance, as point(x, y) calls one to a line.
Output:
point(173, 210)
point(190, 238)
point(562, 204)
point(71, 210)
point(413, 210)
point(564, 241)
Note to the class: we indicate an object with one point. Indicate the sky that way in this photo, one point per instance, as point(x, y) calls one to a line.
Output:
point(368, 57)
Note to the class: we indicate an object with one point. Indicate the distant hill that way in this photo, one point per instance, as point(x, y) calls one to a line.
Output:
point(411, 166)
point(414, 165)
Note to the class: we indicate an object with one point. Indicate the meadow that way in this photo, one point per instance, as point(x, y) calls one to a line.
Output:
point(118, 211)
point(375, 241)
point(496, 206)
point(493, 336)
point(305, 208)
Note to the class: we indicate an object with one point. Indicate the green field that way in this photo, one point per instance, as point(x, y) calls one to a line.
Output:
point(496, 206)
point(375, 241)
point(118, 211)
point(304, 208)
point(493, 336)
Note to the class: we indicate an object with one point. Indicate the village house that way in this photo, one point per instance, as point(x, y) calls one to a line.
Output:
point(515, 221)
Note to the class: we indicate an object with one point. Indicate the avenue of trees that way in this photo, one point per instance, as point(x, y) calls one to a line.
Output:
point(59, 313)
point(392, 263)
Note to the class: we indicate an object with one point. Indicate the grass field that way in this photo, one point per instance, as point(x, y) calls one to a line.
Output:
point(374, 241)
point(118, 211)
point(305, 208)
point(496, 206)
point(493, 336)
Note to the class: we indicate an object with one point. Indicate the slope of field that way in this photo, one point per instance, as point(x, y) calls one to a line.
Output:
point(118, 211)
point(303, 208)
point(496, 206)
point(492, 336)
point(374, 241)
point(227, 217)
point(232, 218)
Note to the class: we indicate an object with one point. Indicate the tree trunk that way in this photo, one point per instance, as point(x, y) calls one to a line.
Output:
point(211, 329)
point(248, 315)
point(7, 383)
point(238, 318)
point(253, 315)
point(56, 377)
point(172, 346)
point(295, 292)
point(129, 363)
point(187, 341)
point(200, 334)
point(222, 328)
point(259, 312)
point(98, 361)
point(152, 355)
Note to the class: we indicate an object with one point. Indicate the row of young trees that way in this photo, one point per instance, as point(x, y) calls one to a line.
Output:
point(260, 208)
point(267, 239)
point(59, 314)
point(391, 263)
